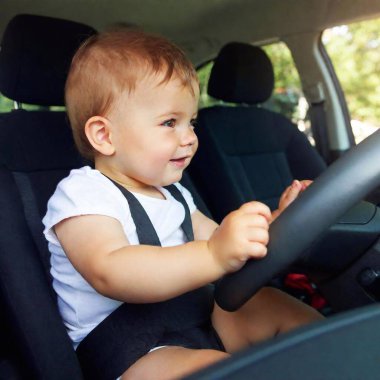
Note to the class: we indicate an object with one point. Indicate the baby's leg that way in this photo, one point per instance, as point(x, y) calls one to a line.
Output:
point(169, 363)
point(265, 315)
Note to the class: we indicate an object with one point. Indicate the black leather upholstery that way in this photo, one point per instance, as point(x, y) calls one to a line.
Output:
point(241, 73)
point(35, 57)
point(247, 152)
point(37, 150)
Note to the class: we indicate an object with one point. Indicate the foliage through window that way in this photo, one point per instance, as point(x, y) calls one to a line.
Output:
point(7, 105)
point(287, 97)
point(355, 53)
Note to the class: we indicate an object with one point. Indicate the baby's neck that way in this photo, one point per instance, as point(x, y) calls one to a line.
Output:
point(130, 184)
point(150, 191)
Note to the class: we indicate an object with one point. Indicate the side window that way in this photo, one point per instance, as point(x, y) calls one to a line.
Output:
point(205, 100)
point(7, 105)
point(287, 97)
point(355, 53)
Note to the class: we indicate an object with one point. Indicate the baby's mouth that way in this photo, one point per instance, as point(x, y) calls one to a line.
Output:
point(180, 161)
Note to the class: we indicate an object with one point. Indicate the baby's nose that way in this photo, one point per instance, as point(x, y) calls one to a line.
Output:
point(189, 137)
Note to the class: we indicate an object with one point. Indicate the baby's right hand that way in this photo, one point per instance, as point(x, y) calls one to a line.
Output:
point(243, 234)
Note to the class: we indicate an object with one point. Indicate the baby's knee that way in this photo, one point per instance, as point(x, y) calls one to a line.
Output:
point(172, 363)
point(293, 312)
point(204, 358)
point(199, 359)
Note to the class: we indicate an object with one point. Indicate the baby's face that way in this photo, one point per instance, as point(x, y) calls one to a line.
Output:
point(153, 131)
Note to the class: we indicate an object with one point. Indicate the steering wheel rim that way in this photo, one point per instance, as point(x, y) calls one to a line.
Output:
point(335, 191)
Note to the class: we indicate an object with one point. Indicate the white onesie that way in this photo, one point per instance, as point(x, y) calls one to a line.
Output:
point(84, 192)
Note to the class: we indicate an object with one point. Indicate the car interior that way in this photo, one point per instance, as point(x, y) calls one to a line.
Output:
point(261, 150)
point(246, 152)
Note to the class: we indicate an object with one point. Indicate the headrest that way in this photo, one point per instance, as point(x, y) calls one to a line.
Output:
point(242, 73)
point(35, 56)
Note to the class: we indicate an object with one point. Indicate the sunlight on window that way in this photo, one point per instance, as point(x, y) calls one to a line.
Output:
point(7, 105)
point(355, 54)
point(287, 97)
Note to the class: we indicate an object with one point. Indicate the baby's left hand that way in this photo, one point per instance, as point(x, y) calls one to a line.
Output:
point(290, 194)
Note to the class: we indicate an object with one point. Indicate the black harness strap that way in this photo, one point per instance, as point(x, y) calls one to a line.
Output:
point(186, 225)
point(132, 330)
point(144, 227)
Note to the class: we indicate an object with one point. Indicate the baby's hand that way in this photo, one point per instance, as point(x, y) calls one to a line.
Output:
point(243, 234)
point(290, 194)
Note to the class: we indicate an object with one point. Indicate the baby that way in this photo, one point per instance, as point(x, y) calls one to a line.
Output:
point(130, 250)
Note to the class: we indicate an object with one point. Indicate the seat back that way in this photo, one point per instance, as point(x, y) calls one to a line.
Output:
point(247, 152)
point(37, 150)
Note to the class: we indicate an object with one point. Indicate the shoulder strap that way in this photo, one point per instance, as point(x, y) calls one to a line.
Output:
point(144, 227)
point(187, 225)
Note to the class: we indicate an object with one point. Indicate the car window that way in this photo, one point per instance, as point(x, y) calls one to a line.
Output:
point(7, 105)
point(287, 97)
point(354, 50)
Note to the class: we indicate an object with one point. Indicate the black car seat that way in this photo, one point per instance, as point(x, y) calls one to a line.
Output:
point(37, 151)
point(245, 151)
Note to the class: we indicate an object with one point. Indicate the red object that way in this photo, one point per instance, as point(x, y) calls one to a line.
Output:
point(302, 282)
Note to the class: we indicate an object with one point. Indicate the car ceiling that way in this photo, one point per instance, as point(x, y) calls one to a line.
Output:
point(201, 27)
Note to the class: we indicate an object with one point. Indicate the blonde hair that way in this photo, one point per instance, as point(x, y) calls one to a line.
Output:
point(110, 63)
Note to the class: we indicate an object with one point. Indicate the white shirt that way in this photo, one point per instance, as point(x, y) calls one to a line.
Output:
point(87, 192)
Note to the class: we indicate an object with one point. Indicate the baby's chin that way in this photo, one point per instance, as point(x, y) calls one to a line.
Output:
point(173, 179)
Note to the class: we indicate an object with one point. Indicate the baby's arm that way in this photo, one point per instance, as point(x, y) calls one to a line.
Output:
point(98, 248)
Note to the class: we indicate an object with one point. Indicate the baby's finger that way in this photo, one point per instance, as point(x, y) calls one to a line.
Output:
point(257, 250)
point(285, 193)
point(254, 221)
point(305, 184)
point(258, 235)
point(291, 194)
point(257, 208)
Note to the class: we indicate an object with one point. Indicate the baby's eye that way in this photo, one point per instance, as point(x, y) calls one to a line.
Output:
point(169, 123)
point(194, 123)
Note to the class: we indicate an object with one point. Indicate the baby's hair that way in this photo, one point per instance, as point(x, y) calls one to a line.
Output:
point(110, 63)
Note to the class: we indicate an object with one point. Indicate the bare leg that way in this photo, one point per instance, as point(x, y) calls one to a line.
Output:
point(171, 363)
point(265, 315)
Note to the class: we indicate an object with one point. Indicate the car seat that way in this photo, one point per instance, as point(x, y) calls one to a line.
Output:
point(37, 151)
point(247, 152)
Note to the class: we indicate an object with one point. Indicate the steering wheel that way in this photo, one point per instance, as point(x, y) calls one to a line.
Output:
point(334, 192)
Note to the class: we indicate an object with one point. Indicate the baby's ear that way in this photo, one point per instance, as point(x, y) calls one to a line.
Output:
point(98, 132)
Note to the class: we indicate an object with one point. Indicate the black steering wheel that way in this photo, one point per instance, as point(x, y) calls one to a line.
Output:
point(339, 188)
